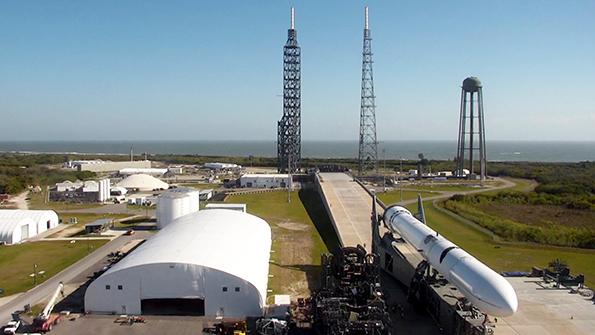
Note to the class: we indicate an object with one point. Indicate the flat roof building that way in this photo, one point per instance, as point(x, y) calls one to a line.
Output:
point(265, 180)
point(233, 207)
point(212, 263)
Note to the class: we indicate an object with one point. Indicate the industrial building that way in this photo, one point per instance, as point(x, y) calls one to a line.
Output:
point(265, 180)
point(98, 226)
point(176, 203)
point(212, 263)
point(106, 166)
point(150, 171)
point(79, 191)
point(17, 225)
point(227, 206)
point(142, 182)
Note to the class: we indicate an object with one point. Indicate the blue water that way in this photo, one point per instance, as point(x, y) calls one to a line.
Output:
point(441, 150)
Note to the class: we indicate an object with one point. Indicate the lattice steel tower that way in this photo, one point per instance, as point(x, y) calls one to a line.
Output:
point(289, 139)
point(471, 116)
point(368, 144)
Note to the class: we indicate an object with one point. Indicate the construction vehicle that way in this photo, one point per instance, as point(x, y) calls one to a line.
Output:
point(45, 320)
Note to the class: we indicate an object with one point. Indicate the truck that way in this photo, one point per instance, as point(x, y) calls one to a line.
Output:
point(45, 320)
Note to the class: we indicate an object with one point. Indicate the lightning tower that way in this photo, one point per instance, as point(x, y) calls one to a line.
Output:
point(289, 127)
point(368, 144)
point(471, 123)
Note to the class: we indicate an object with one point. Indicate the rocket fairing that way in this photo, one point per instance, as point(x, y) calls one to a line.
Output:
point(485, 289)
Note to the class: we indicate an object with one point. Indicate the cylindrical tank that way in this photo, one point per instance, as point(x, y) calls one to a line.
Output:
point(484, 288)
point(175, 203)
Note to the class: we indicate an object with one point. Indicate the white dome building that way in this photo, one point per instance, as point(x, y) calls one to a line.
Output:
point(212, 263)
point(41, 220)
point(142, 182)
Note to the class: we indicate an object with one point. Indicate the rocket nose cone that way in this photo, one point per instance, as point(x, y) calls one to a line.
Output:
point(510, 305)
point(507, 304)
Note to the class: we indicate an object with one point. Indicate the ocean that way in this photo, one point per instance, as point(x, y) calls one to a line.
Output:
point(551, 151)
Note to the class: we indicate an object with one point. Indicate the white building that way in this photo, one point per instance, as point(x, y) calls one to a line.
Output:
point(106, 166)
point(150, 171)
point(265, 180)
point(233, 207)
point(17, 224)
point(13, 231)
point(176, 203)
point(212, 263)
point(142, 182)
point(221, 166)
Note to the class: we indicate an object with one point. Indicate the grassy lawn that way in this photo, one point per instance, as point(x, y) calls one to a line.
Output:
point(442, 187)
point(508, 256)
point(37, 202)
point(393, 197)
point(83, 219)
point(16, 261)
point(298, 229)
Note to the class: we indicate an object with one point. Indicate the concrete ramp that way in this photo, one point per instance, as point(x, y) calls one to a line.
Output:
point(349, 207)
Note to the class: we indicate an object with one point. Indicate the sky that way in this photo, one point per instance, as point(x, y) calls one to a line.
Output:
point(199, 70)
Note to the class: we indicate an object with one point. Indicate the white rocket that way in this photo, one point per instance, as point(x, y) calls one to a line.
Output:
point(485, 289)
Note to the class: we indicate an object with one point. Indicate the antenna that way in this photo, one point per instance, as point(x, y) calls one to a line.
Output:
point(366, 20)
point(292, 18)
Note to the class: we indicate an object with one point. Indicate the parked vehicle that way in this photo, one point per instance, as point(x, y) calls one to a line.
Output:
point(12, 326)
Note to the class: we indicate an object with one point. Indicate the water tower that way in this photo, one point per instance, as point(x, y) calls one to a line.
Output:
point(471, 142)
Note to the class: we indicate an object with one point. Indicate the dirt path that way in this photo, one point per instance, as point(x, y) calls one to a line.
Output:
point(20, 200)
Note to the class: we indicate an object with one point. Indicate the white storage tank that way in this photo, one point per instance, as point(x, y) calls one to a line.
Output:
point(175, 203)
point(104, 190)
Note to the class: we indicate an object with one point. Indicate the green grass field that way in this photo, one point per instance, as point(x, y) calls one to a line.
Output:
point(441, 187)
point(394, 197)
point(16, 261)
point(83, 219)
point(521, 185)
point(297, 227)
point(508, 256)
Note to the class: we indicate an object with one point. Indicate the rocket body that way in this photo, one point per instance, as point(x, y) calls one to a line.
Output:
point(485, 289)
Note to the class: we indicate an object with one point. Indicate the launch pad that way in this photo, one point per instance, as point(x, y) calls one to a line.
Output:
point(541, 310)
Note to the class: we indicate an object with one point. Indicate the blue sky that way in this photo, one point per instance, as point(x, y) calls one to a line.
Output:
point(185, 70)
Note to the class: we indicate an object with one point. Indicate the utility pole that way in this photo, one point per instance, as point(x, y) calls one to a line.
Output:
point(401, 178)
point(384, 169)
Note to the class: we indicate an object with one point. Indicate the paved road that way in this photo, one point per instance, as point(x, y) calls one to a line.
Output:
point(350, 206)
point(43, 290)
point(504, 184)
